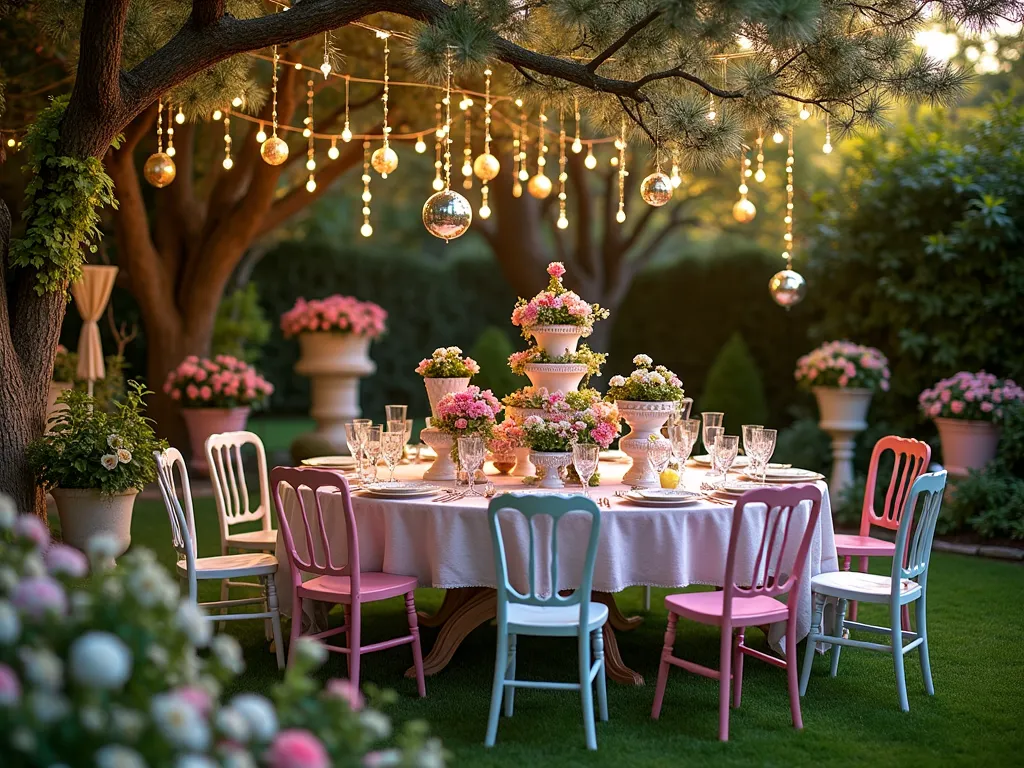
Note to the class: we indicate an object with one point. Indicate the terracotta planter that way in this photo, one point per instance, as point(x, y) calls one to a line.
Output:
point(557, 340)
point(552, 462)
point(57, 388)
point(842, 413)
point(556, 377)
point(334, 363)
point(644, 419)
point(203, 422)
point(967, 445)
point(85, 512)
point(438, 388)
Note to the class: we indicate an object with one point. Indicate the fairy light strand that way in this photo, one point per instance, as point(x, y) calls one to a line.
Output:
point(467, 148)
point(227, 163)
point(447, 101)
point(367, 229)
point(438, 184)
point(620, 216)
point(159, 126)
point(273, 94)
point(675, 178)
point(346, 131)
point(563, 222)
point(170, 131)
point(827, 146)
point(590, 161)
point(759, 175)
point(524, 141)
point(787, 238)
point(485, 208)
point(310, 144)
point(384, 96)
point(577, 143)
point(542, 146)
point(517, 186)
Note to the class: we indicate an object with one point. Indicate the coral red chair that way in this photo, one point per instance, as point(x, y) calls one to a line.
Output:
point(911, 458)
point(342, 583)
point(738, 606)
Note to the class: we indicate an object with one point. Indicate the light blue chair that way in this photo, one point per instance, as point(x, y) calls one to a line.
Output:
point(908, 583)
point(551, 614)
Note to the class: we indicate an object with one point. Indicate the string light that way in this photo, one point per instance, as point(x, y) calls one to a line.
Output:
point(235, 102)
point(333, 152)
point(384, 159)
point(486, 166)
point(310, 148)
point(539, 184)
point(563, 222)
point(675, 178)
point(438, 184)
point(620, 216)
point(261, 135)
point(274, 150)
point(326, 66)
point(577, 145)
point(179, 118)
point(827, 146)
point(227, 162)
point(524, 140)
point(217, 115)
point(712, 114)
point(467, 147)
point(366, 230)
point(760, 175)
point(517, 186)
point(170, 132)
point(777, 137)
point(590, 161)
point(787, 287)
point(804, 113)
point(743, 210)
point(159, 127)
point(298, 65)
point(787, 238)
point(421, 145)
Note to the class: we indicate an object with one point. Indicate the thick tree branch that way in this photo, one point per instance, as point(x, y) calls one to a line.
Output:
point(628, 35)
point(206, 12)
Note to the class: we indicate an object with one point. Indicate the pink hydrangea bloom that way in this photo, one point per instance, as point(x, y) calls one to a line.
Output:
point(297, 748)
point(10, 687)
point(556, 269)
point(31, 528)
point(347, 690)
point(39, 596)
point(63, 560)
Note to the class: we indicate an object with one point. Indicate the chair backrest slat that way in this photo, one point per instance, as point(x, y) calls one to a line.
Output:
point(179, 512)
point(910, 459)
point(227, 472)
point(915, 541)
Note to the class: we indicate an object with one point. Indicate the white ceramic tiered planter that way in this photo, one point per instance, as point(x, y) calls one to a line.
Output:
point(438, 388)
point(443, 467)
point(524, 467)
point(644, 420)
point(967, 445)
point(556, 377)
point(85, 512)
point(552, 462)
point(557, 340)
point(334, 363)
point(842, 413)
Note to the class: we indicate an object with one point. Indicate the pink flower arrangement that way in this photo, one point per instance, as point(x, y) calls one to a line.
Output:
point(469, 412)
point(447, 363)
point(340, 314)
point(970, 396)
point(556, 306)
point(223, 382)
point(564, 425)
point(845, 365)
point(39, 596)
point(507, 437)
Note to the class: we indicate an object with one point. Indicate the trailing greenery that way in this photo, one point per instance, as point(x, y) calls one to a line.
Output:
point(62, 202)
point(241, 327)
point(734, 387)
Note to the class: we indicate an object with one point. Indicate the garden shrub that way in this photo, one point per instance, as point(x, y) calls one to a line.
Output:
point(241, 327)
point(491, 351)
point(734, 387)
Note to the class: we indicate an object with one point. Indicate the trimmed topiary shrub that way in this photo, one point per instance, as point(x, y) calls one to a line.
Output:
point(734, 387)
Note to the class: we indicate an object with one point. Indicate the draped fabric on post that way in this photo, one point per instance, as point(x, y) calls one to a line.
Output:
point(91, 294)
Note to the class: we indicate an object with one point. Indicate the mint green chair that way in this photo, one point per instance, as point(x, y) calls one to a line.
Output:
point(542, 611)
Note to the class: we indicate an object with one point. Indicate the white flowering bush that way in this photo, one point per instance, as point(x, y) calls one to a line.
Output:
point(648, 383)
point(114, 670)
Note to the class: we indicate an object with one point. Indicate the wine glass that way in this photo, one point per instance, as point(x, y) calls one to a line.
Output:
point(471, 456)
point(659, 452)
point(764, 446)
point(710, 435)
point(397, 426)
point(392, 444)
point(711, 419)
point(724, 453)
point(395, 413)
point(372, 450)
point(585, 459)
point(685, 405)
point(683, 436)
point(748, 444)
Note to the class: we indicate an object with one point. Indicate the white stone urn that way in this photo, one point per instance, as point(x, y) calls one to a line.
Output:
point(438, 388)
point(443, 467)
point(556, 377)
point(524, 467)
point(334, 363)
point(842, 413)
point(552, 462)
point(57, 388)
point(645, 419)
point(86, 512)
point(557, 340)
point(967, 444)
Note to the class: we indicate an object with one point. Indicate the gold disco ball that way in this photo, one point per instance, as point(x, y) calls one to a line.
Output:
point(384, 161)
point(539, 186)
point(656, 189)
point(447, 214)
point(159, 169)
point(787, 288)
point(744, 211)
point(274, 150)
point(486, 166)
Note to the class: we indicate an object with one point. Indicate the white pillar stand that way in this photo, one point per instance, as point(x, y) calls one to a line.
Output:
point(843, 439)
point(334, 363)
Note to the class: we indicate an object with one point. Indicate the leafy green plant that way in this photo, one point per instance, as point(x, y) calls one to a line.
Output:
point(241, 327)
point(87, 448)
point(733, 386)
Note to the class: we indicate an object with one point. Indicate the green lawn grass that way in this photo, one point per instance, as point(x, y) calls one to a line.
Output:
point(974, 719)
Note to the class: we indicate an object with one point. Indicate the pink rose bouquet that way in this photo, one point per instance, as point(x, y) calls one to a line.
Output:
point(468, 413)
point(339, 314)
point(223, 382)
point(564, 425)
point(556, 306)
point(506, 438)
point(970, 396)
point(447, 363)
point(845, 365)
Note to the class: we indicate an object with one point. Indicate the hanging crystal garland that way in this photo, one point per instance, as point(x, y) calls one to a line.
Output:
point(540, 185)
point(788, 287)
point(562, 222)
point(438, 184)
point(620, 215)
point(466, 105)
point(760, 175)
point(308, 133)
point(744, 211)
point(384, 159)
point(274, 150)
point(170, 132)
point(486, 166)
point(227, 163)
point(367, 229)
point(447, 214)
point(159, 169)
point(577, 144)
point(346, 130)
point(656, 188)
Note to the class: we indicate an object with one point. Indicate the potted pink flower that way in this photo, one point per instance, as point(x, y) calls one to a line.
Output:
point(556, 318)
point(445, 371)
point(968, 410)
point(216, 396)
point(470, 412)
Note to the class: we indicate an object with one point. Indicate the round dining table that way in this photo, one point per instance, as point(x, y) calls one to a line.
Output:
point(448, 545)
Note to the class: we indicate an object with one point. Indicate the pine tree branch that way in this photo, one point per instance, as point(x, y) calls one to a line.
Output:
point(628, 35)
point(206, 12)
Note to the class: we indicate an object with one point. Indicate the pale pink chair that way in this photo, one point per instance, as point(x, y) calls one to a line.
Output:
point(332, 582)
point(776, 571)
point(910, 459)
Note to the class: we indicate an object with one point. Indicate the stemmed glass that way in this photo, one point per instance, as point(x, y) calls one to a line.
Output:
point(724, 454)
point(747, 446)
point(352, 438)
point(395, 412)
point(763, 446)
point(659, 452)
point(584, 459)
point(683, 435)
point(710, 435)
point(471, 457)
point(392, 444)
point(711, 419)
point(372, 449)
point(685, 406)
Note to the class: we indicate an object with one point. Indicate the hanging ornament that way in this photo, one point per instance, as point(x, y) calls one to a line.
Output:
point(540, 185)
point(562, 222)
point(760, 175)
point(159, 169)
point(326, 66)
point(384, 159)
point(788, 287)
point(227, 162)
point(438, 184)
point(577, 145)
point(827, 146)
point(346, 131)
point(620, 215)
point(743, 211)
point(590, 161)
point(447, 214)
point(367, 229)
point(656, 188)
point(274, 150)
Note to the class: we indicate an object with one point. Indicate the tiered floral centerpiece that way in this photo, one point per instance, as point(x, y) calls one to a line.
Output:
point(645, 400)
point(334, 334)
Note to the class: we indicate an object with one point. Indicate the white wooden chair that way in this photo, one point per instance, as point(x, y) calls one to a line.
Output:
point(192, 569)
point(234, 507)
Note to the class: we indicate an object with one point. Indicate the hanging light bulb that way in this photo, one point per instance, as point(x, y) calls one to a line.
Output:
point(180, 117)
point(217, 114)
point(235, 102)
point(804, 113)
point(261, 135)
point(827, 146)
point(577, 145)
point(777, 137)
point(333, 151)
point(421, 145)
point(346, 134)
point(590, 161)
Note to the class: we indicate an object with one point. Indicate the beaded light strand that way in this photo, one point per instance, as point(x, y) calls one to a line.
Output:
point(467, 147)
point(438, 183)
point(170, 132)
point(787, 238)
point(517, 186)
point(577, 144)
point(367, 229)
point(563, 222)
point(310, 148)
point(227, 162)
point(524, 140)
point(346, 131)
point(760, 175)
point(620, 216)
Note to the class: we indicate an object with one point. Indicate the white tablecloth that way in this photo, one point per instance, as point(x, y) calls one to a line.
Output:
point(449, 545)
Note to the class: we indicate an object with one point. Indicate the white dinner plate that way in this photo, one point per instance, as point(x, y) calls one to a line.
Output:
point(420, 494)
point(634, 497)
point(612, 455)
point(704, 460)
point(737, 487)
point(330, 462)
point(400, 487)
point(667, 494)
point(791, 475)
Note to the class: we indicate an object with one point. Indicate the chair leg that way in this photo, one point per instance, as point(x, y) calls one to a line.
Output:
point(737, 667)
point(498, 686)
point(602, 688)
point(853, 603)
point(647, 598)
point(724, 681)
point(296, 628)
point(417, 650)
point(510, 674)
point(666, 654)
point(586, 690)
point(354, 645)
point(275, 620)
point(840, 622)
point(905, 616)
point(922, 631)
point(792, 682)
point(812, 641)
point(895, 616)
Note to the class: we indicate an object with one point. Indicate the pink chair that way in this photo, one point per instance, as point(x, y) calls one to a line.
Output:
point(346, 584)
point(737, 606)
point(911, 458)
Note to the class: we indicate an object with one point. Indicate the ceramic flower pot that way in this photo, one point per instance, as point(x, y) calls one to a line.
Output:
point(557, 340)
point(438, 388)
point(85, 512)
point(334, 363)
point(551, 462)
point(966, 444)
point(57, 388)
point(556, 377)
point(203, 422)
point(842, 413)
point(645, 420)
point(443, 467)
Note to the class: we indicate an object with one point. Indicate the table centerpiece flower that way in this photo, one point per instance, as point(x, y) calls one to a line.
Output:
point(564, 372)
point(645, 400)
point(968, 410)
point(445, 371)
point(216, 395)
point(556, 318)
point(469, 413)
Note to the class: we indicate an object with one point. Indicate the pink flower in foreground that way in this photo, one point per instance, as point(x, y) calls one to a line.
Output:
point(957, 406)
point(347, 690)
point(39, 596)
point(461, 423)
point(987, 407)
point(297, 748)
point(31, 528)
point(64, 560)
point(556, 269)
point(196, 698)
point(10, 688)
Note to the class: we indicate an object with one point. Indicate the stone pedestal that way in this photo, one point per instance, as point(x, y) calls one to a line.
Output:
point(843, 414)
point(334, 363)
point(443, 467)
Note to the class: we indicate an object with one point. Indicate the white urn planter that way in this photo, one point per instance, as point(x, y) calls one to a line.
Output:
point(86, 512)
point(438, 388)
point(557, 340)
point(57, 388)
point(842, 413)
point(552, 462)
point(334, 363)
point(967, 444)
point(645, 419)
point(443, 467)
point(556, 377)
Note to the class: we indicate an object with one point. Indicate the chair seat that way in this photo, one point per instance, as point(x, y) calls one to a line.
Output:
point(863, 546)
point(230, 566)
point(863, 587)
point(257, 540)
point(372, 586)
point(707, 608)
point(553, 619)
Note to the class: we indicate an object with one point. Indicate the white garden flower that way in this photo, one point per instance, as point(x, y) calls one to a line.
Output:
point(124, 455)
point(10, 624)
point(92, 718)
point(179, 722)
point(48, 707)
point(113, 590)
point(431, 756)
point(8, 579)
point(232, 725)
point(151, 585)
point(43, 668)
point(100, 660)
point(194, 761)
point(32, 566)
point(259, 714)
point(617, 381)
point(310, 651)
point(376, 724)
point(8, 512)
point(656, 378)
point(228, 653)
point(193, 622)
point(109, 461)
point(118, 756)
point(642, 360)
point(101, 547)
point(115, 441)
point(237, 758)
point(23, 740)
point(157, 655)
